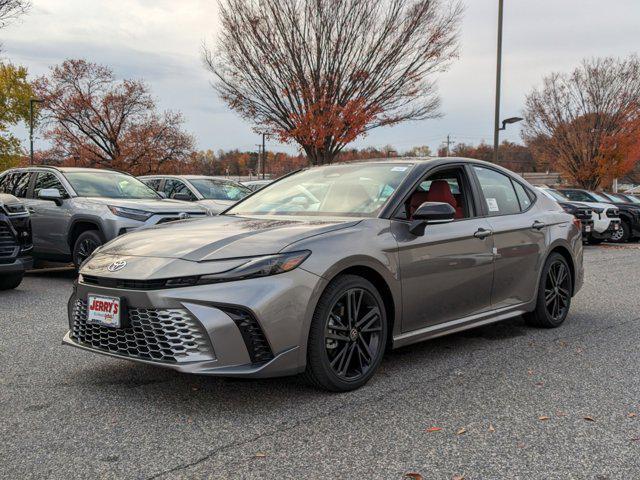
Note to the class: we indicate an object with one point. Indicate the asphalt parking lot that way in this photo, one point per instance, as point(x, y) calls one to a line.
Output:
point(503, 401)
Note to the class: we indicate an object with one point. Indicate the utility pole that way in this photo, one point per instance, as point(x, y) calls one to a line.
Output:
point(496, 131)
point(447, 144)
point(260, 160)
point(264, 155)
point(31, 102)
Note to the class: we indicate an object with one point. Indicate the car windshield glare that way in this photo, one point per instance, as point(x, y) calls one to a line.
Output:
point(556, 195)
point(212, 189)
point(601, 197)
point(337, 190)
point(109, 185)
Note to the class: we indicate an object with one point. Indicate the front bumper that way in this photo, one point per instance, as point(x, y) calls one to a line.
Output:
point(19, 265)
point(614, 225)
point(202, 329)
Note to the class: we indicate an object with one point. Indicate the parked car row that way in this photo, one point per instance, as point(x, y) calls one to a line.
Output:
point(73, 211)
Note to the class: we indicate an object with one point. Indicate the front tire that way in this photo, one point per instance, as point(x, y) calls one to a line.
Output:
point(9, 282)
point(85, 245)
point(554, 294)
point(348, 335)
point(623, 234)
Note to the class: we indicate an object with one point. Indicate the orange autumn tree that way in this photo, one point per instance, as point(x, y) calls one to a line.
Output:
point(321, 73)
point(584, 124)
point(94, 120)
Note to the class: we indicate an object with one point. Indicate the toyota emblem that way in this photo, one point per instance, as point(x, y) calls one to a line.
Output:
point(116, 266)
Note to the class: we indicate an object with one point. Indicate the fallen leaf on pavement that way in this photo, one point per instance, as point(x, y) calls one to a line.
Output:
point(589, 419)
point(491, 429)
point(530, 372)
point(544, 418)
point(561, 414)
point(521, 445)
point(414, 475)
point(433, 429)
point(457, 477)
point(539, 384)
point(461, 431)
point(261, 455)
point(631, 415)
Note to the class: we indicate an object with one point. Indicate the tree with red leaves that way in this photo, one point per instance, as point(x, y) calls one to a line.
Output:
point(322, 73)
point(585, 124)
point(94, 120)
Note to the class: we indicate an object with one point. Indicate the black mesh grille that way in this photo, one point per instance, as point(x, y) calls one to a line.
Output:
point(252, 334)
point(8, 244)
point(169, 335)
point(124, 283)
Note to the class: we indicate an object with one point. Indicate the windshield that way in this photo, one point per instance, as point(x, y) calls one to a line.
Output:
point(340, 190)
point(556, 195)
point(600, 197)
point(219, 189)
point(633, 199)
point(109, 185)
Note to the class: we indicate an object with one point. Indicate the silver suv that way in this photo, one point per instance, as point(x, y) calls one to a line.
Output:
point(76, 210)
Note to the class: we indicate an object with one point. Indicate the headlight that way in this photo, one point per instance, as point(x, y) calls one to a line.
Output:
point(254, 267)
point(131, 213)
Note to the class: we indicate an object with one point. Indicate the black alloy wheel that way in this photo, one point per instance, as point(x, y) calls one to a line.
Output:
point(85, 245)
point(554, 294)
point(557, 291)
point(352, 334)
point(348, 335)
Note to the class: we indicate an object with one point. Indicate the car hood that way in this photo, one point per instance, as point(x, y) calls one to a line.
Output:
point(150, 205)
point(223, 237)
point(216, 206)
point(605, 206)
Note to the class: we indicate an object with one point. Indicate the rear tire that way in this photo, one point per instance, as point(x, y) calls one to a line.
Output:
point(348, 335)
point(9, 282)
point(85, 245)
point(554, 294)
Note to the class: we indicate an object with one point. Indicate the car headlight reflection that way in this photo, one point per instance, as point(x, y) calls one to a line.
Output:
point(254, 267)
point(132, 213)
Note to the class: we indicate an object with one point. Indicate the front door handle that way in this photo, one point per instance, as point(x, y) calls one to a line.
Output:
point(483, 233)
point(538, 225)
point(31, 209)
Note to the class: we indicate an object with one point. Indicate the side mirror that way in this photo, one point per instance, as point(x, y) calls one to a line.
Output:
point(185, 197)
point(51, 194)
point(431, 213)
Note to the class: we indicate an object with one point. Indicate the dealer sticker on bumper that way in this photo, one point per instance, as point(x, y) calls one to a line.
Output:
point(104, 311)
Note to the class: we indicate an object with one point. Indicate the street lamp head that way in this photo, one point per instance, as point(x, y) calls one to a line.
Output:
point(511, 120)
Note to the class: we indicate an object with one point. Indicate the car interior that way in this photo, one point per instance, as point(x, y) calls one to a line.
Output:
point(447, 187)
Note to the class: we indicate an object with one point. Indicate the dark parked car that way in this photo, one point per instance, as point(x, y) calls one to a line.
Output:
point(579, 210)
point(325, 269)
point(15, 241)
point(629, 213)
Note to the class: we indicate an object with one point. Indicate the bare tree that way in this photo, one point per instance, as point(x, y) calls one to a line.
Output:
point(12, 9)
point(324, 72)
point(576, 121)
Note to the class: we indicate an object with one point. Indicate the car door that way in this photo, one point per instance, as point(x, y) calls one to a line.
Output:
point(519, 236)
point(447, 272)
point(50, 221)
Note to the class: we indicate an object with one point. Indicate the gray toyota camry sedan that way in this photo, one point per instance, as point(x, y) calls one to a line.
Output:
point(324, 270)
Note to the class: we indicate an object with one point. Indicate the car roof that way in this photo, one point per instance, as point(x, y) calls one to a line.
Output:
point(188, 177)
point(68, 169)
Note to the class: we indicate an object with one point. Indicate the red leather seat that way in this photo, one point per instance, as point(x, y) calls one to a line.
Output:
point(439, 192)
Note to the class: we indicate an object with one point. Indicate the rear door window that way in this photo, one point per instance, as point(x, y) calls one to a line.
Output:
point(498, 190)
point(152, 183)
point(21, 184)
point(173, 187)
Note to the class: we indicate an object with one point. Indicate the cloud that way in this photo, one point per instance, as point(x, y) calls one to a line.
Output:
point(160, 41)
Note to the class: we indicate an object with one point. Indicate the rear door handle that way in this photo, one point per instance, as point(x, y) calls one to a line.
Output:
point(483, 233)
point(538, 225)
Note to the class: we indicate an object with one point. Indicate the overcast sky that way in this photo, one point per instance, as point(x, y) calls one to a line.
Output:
point(160, 41)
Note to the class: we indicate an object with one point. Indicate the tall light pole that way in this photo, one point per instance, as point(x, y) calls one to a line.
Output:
point(496, 130)
point(31, 102)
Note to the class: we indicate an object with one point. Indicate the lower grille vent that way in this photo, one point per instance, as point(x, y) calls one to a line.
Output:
point(169, 335)
point(252, 334)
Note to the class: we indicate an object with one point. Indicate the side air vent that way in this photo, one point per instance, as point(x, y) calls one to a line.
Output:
point(252, 334)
